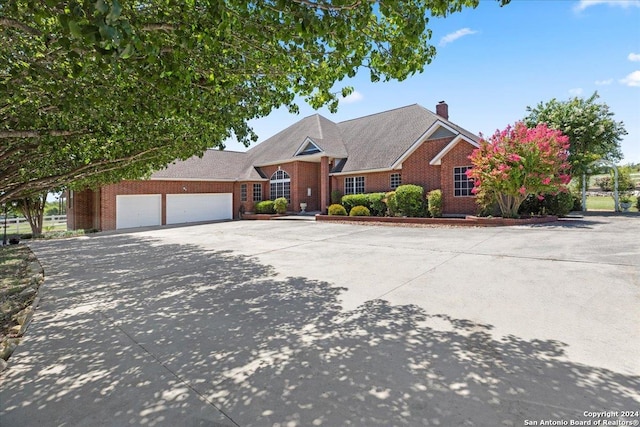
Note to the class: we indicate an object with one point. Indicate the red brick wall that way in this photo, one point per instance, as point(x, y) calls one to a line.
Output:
point(249, 203)
point(373, 181)
point(416, 168)
point(303, 175)
point(109, 193)
point(82, 209)
point(455, 158)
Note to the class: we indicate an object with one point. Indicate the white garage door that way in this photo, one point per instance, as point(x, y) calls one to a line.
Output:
point(198, 207)
point(138, 210)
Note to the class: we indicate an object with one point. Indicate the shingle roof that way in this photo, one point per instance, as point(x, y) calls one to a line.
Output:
point(372, 142)
point(283, 145)
point(213, 165)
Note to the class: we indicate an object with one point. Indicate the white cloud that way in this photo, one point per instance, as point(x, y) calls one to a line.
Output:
point(635, 57)
point(583, 4)
point(632, 79)
point(603, 82)
point(451, 37)
point(355, 96)
point(575, 91)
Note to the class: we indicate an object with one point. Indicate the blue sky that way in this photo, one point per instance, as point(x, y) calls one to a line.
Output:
point(493, 62)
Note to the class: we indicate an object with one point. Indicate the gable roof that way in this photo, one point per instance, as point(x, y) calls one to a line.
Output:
point(380, 141)
point(284, 145)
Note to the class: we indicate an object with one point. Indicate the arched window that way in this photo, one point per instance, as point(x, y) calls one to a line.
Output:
point(280, 185)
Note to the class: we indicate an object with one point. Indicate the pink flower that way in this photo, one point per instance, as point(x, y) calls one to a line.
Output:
point(540, 197)
point(522, 190)
point(546, 181)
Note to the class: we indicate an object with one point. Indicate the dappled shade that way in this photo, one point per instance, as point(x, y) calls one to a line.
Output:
point(228, 341)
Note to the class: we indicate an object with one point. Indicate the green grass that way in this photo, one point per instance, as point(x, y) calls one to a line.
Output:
point(605, 203)
point(24, 228)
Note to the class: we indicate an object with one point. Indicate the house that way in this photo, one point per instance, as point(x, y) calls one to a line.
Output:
point(304, 163)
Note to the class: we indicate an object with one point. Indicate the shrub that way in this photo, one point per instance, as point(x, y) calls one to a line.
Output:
point(360, 211)
point(518, 162)
point(280, 205)
point(435, 203)
point(351, 200)
point(265, 207)
point(638, 203)
point(390, 201)
point(625, 182)
point(410, 200)
point(560, 204)
point(376, 204)
point(336, 209)
point(336, 195)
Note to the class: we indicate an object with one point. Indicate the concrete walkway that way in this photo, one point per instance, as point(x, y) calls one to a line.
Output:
point(296, 323)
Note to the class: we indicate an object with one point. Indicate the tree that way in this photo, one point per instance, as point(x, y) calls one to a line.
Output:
point(520, 161)
point(32, 207)
point(97, 91)
point(592, 131)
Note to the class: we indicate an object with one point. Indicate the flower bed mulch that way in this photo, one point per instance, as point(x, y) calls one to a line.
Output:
point(468, 221)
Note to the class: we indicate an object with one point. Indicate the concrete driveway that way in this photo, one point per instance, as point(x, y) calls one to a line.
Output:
point(296, 323)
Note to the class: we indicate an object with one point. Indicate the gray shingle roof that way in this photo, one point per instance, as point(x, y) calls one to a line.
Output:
point(372, 142)
point(213, 165)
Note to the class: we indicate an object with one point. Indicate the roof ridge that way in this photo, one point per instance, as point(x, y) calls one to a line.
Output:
point(381, 112)
point(319, 125)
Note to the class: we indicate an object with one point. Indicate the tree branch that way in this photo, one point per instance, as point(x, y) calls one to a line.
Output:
point(39, 134)
point(12, 23)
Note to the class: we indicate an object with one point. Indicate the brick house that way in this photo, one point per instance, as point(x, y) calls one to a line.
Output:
point(304, 163)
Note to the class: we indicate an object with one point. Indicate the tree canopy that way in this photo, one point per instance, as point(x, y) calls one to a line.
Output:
point(97, 91)
point(593, 133)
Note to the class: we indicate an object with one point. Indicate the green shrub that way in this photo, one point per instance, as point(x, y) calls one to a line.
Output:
point(390, 201)
point(360, 211)
point(376, 204)
point(265, 207)
point(336, 209)
point(560, 204)
point(638, 203)
point(435, 203)
point(280, 205)
point(351, 200)
point(410, 200)
point(336, 195)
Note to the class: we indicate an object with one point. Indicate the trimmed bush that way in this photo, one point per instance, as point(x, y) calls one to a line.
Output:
point(435, 203)
point(280, 205)
point(360, 211)
point(336, 195)
point(410, 200)
point(265, 207)
point(337, 209)
point(376, 204)
point(352, 200)
point(390, 201)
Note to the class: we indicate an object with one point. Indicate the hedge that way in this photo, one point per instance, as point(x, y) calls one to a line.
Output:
point(265, 207)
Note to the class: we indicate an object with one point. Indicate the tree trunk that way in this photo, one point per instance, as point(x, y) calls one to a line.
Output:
point(33, 209)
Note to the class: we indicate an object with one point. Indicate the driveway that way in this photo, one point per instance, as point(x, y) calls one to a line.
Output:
point(297, 323)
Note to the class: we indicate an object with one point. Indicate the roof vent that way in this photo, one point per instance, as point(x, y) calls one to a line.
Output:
point(442, 109)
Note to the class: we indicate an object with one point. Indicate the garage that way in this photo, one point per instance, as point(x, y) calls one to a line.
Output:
point(183, 208)
point(138, 210)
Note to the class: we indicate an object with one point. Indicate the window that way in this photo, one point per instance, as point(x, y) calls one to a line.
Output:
point(257, 192)
point(396, 180)
point(462, 185)
point(354, 185)
point(280, 185)
point(243, 192)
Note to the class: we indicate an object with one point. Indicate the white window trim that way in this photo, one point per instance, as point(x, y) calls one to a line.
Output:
point(454, 182)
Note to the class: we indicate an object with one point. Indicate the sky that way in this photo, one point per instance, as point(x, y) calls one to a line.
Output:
point(492, 62)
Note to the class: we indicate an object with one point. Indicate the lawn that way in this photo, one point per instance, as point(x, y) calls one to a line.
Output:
point(605, 203)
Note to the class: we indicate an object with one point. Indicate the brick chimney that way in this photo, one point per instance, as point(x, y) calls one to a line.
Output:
point(442, 109)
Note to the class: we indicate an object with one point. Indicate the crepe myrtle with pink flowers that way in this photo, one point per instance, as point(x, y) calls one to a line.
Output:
point(519, 161)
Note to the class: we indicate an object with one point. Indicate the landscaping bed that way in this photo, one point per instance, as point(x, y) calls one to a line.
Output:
point(468, 221)
point(20, 278)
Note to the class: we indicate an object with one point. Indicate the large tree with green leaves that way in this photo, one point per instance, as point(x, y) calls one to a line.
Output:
point(96, 91)
point(593, 133)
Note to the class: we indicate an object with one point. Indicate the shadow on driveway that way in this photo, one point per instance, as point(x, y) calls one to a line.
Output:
point(133, 331)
